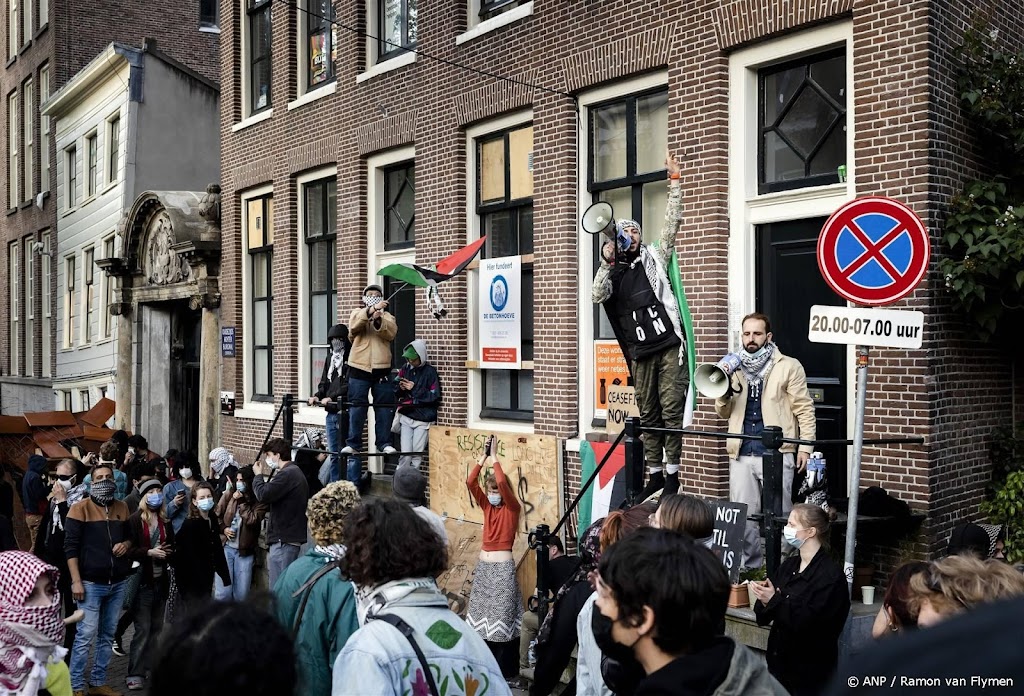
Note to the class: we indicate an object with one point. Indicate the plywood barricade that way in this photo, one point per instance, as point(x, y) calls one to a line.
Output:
point(531, 463)
point(464, 540)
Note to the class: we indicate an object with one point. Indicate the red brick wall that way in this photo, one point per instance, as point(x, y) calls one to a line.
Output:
point(909, 145)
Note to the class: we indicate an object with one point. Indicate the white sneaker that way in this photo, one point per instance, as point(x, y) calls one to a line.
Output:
point(347, 450)
point(388, 449)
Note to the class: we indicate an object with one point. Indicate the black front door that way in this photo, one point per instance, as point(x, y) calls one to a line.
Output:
point(788, 283)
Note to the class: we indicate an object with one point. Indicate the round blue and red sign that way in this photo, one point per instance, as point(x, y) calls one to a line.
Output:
point(873, 251)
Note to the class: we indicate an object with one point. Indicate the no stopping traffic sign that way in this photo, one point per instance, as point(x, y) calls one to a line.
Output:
point(873, 251)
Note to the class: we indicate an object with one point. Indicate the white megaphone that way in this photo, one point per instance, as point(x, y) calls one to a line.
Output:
point(600, 219)
point(713, 379)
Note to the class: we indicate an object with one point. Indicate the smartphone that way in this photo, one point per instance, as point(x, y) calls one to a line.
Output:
point(489, 446)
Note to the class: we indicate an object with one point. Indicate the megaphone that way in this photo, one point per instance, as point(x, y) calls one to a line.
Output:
point(713, 379)
point(599, 218)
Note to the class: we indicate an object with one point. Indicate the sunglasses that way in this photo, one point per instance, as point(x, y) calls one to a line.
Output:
point(66, 477)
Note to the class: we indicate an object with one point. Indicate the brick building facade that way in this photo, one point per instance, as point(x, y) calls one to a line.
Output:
point(513, 117)
point(47, 43)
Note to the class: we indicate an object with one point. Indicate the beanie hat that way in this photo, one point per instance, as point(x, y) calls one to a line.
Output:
point(148, 485)
point(409, 484)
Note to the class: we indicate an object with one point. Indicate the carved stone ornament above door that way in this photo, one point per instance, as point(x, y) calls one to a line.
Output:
point(163, 266)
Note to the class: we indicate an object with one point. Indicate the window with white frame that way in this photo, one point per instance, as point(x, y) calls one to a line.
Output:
point(259, 223)
point(88, 294)
point(317, 49)
point(30, 309)
point(44, 127)
point(92, 151)
point(113, 148)
point(802, 122)
point(84, 400)
point(319, 234)
point(70, 178)
point(208, 14)
point(258, 49)
point(13, 284)
point(44, 13)
point(69, 301)
point(399, 206)
point(13, 140)
point(26, 22)
point(12, 29)
point(397, 27)
point(628, 137)
point(492, 8)
point(66, 397)
point(107, 329)
point(46, 335)
point(29, 102)
point(504, 203)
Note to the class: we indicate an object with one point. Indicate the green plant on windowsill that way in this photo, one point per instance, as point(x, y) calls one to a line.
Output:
point(753, 574)
point(1007, 508)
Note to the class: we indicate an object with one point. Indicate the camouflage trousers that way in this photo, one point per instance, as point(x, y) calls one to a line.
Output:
point(661, 384)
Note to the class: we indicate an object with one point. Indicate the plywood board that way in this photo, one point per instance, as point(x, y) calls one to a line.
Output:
point(49, 419)
point(14, 425)
point(100, 413)
point(531, 463)
point(464, 540)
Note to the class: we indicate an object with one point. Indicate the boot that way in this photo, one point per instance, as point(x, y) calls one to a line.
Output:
point(671, 484)
point(654, 484)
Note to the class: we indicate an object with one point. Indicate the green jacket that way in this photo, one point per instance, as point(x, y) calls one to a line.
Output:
point(327, 621)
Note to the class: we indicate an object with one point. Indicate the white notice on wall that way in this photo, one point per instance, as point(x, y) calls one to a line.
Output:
point(500, 320)
point(883, 328)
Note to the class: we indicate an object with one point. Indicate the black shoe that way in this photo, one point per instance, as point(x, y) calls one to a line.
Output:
point(116, 647)
point(365, 481)
point(671, 485)
point(654, 484)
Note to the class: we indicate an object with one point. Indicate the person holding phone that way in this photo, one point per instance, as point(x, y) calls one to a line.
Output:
point(495, 604)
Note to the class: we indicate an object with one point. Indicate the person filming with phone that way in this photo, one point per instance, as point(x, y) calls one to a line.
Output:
point(495, 604)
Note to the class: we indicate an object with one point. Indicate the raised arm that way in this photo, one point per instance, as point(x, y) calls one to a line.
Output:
point(473, 484)
point(508, 496)
point(673, 212)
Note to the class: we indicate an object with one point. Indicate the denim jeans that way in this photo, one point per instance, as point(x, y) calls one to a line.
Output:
point(279, 557)
point(331, 428)
point(149, 619)
point(240, 570)
point(358, 394)
point(102, 605)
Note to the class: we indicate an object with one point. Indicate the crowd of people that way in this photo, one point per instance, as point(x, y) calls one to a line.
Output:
point(640, 608)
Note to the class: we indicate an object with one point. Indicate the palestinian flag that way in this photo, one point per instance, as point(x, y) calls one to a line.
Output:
point(691, 345)
point(608, 491)
point(445, 269)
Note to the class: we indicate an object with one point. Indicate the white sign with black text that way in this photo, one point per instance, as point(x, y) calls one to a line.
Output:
point(501, 321)
point(882, 328)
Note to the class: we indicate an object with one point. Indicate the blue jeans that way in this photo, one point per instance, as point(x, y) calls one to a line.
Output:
point(149, 606)
point(102, 605)
point(358, 394)
point(334, 442)
point(279, 557)
point(240, 570)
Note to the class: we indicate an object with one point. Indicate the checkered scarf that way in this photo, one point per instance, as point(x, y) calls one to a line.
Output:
point(757, 368)
point(29, 636)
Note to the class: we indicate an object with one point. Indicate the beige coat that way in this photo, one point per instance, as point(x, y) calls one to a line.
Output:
point(785, 402)
point(371, 345)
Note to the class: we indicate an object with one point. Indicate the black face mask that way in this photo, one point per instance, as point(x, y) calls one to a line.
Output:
point(601, 626)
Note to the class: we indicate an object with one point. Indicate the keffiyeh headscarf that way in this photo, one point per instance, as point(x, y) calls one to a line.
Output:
point(337, 357)
point(590, 558)
point(221, 459)
point(756, 367)
point(30, 637)
point(309, 437)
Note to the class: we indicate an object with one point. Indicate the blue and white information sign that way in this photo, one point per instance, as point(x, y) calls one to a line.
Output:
point(500, 320)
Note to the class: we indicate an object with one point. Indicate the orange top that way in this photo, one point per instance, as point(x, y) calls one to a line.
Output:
point(500, 522)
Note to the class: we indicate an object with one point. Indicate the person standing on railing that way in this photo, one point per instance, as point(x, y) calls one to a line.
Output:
point(634, 287)
point(769, 389)
point(332, 392)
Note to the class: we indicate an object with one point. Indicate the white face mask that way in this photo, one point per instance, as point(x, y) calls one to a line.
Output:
point(270, 462)
point(494, 499)
point(66, 485)
point(185, 473)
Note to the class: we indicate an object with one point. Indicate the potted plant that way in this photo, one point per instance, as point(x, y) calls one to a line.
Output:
point(751, 575)
point(738, 596)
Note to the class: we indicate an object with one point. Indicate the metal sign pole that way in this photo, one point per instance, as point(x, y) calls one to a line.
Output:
point(858, 448)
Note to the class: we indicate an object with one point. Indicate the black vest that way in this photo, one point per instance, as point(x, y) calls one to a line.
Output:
point(642, 320)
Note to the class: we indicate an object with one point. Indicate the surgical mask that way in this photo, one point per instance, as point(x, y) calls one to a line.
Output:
point(601, 626)
point(154, 501)
point(206, 504)
point(372, 300)
point(240, 487)
point(791, 537)
point(131, 450)
point(66, 485)
point(494, 499)
point(102, 492)
point(185, 473)
point(270, 462)
point(759, 352)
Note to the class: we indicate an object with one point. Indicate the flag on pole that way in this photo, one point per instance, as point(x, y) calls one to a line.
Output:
point(424, 277)
point(691, 347)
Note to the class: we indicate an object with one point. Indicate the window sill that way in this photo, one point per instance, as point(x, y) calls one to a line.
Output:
point(68, 211)
point(209, 30)
point(256, 411)
point(109, 186)
point(494, 23)
point(481, 422)
point(475, 365)
point(801, 194)
point(12, 211)
point(87, 200)
point(387, 66)
point(311, 415)
point(313, 94)
point(11, 60)
point(25, 47)
point(252, 120)
point(25, 204)
point(40, 30)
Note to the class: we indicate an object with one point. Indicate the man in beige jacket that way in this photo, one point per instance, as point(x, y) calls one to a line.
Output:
point(371, 329)
point(769, 389)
